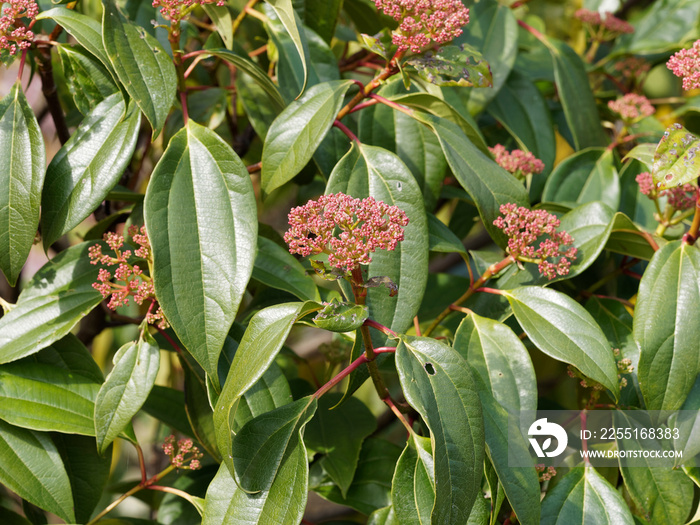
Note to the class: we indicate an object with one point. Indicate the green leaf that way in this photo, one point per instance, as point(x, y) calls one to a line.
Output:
point(341, 317)
point(144, 68)
point(43, 397)
point(21, 178)
point(71, 355)
point(501, 361)
point(644, 153)
point(283, 502)
point(368, 171)
point(260, 447)
point(31, 466)
point(628, 239)
point(298, 131)
point(437, 382)
point(57, 297)
point(221, 18)
point(320, 15)
point(276, 267)
point(586, 176)
point(565, 331)
point(87, 470)
point(413, 486)
point(450, 65)
point(584, 496)
point(664, 328)
point(286, 14)
point(168, 405)
point(9, 517)
point(87, 79)
point(201, 217)
point(126, 388)
point(271, 391)
point(441, 237)
point(263, 339)
point(487, 183)
point(88, 166)
point(338, 433)
point(576, 96)
point(522, 110)
point(675, 159)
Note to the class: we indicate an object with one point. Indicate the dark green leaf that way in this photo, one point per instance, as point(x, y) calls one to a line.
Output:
point(168, 405)
point(565, 331)
point(664, 328)
point(126, 388)
point(276, 267)
point(71, 355)
point(338, 433)
point(31, 466)
point(320, 15)
point(260, 447)
point(437, 382)
point(584, 496)
point(43, 397)
point(460, 66)
point(87, 79)
point(628, 239)
point(368, 171)
point(488, 184)
point(88, 166)
point(59, 295)
point(441, 237)
point(201, 217)
point(21, 178)
point(289, 19)
point(675, 160)
point(413, 486)
point(144, 68)
point(586, 176)
point(271, 391)
point(298, 131)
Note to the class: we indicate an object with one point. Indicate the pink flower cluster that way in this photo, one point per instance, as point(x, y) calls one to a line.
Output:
point(12, 36)
point(681, 197)
point(525, 227)
point(181, 452)
point(517, 162)
point(613, 25)
point(364, 225)
point(545, 473)
point(135, 283)
point(632, 67)
point(176, 10)
point(423, 21)
point(632, 106)
point(686, 64)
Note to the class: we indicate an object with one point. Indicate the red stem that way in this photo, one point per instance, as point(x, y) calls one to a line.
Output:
point(381, 328)
point(494, 291)
point(342, 127)
point(183, 101)
point(349, 369)
point(169, 339)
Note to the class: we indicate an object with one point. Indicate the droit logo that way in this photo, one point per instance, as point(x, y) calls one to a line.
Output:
point(542, 427)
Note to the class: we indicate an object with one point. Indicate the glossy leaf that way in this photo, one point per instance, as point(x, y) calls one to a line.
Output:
point(283, 502)
point(488, 184)
point(451, 65)
point(341, 317)
point(413, 486)
point(201, 217)
point(221, 18)
point(667, 337)
point(576, 97)
point(126, 388)
point(286, 14)
point(87, 79)
point(263, 339)
point(584, 496)
point(88, 166)
point(144, 68)
point(437, 382)
point(21, 179)
point(441, 237)
point(57, 297)
point(565, 331)
point(587, 176)
point(261, 446)
point(338, 433)
point(628, 239)
point(369, 171)
point(269, 392)
point(276, 267)
point(31, 466)
point(676, 160)
point(644, 153)
point(298, 131)
point(320, 15)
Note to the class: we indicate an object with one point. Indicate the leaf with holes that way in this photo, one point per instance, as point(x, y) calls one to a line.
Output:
point(676, 159)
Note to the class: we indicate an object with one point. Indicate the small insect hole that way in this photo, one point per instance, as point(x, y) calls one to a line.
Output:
point(430, 369)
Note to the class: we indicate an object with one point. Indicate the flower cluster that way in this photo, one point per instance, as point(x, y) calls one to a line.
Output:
point(680, 198)
point(423, 21)
point(686, 64)
point(632, 68)
point(12, 35)
point(525, 227)
point(545, 473)
point(609, 26)
point(624, 366)
point(364, 225)
point(181, 452)
point(632, 107)
point(517, 162)
point(135, 282)
point(176, 10)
